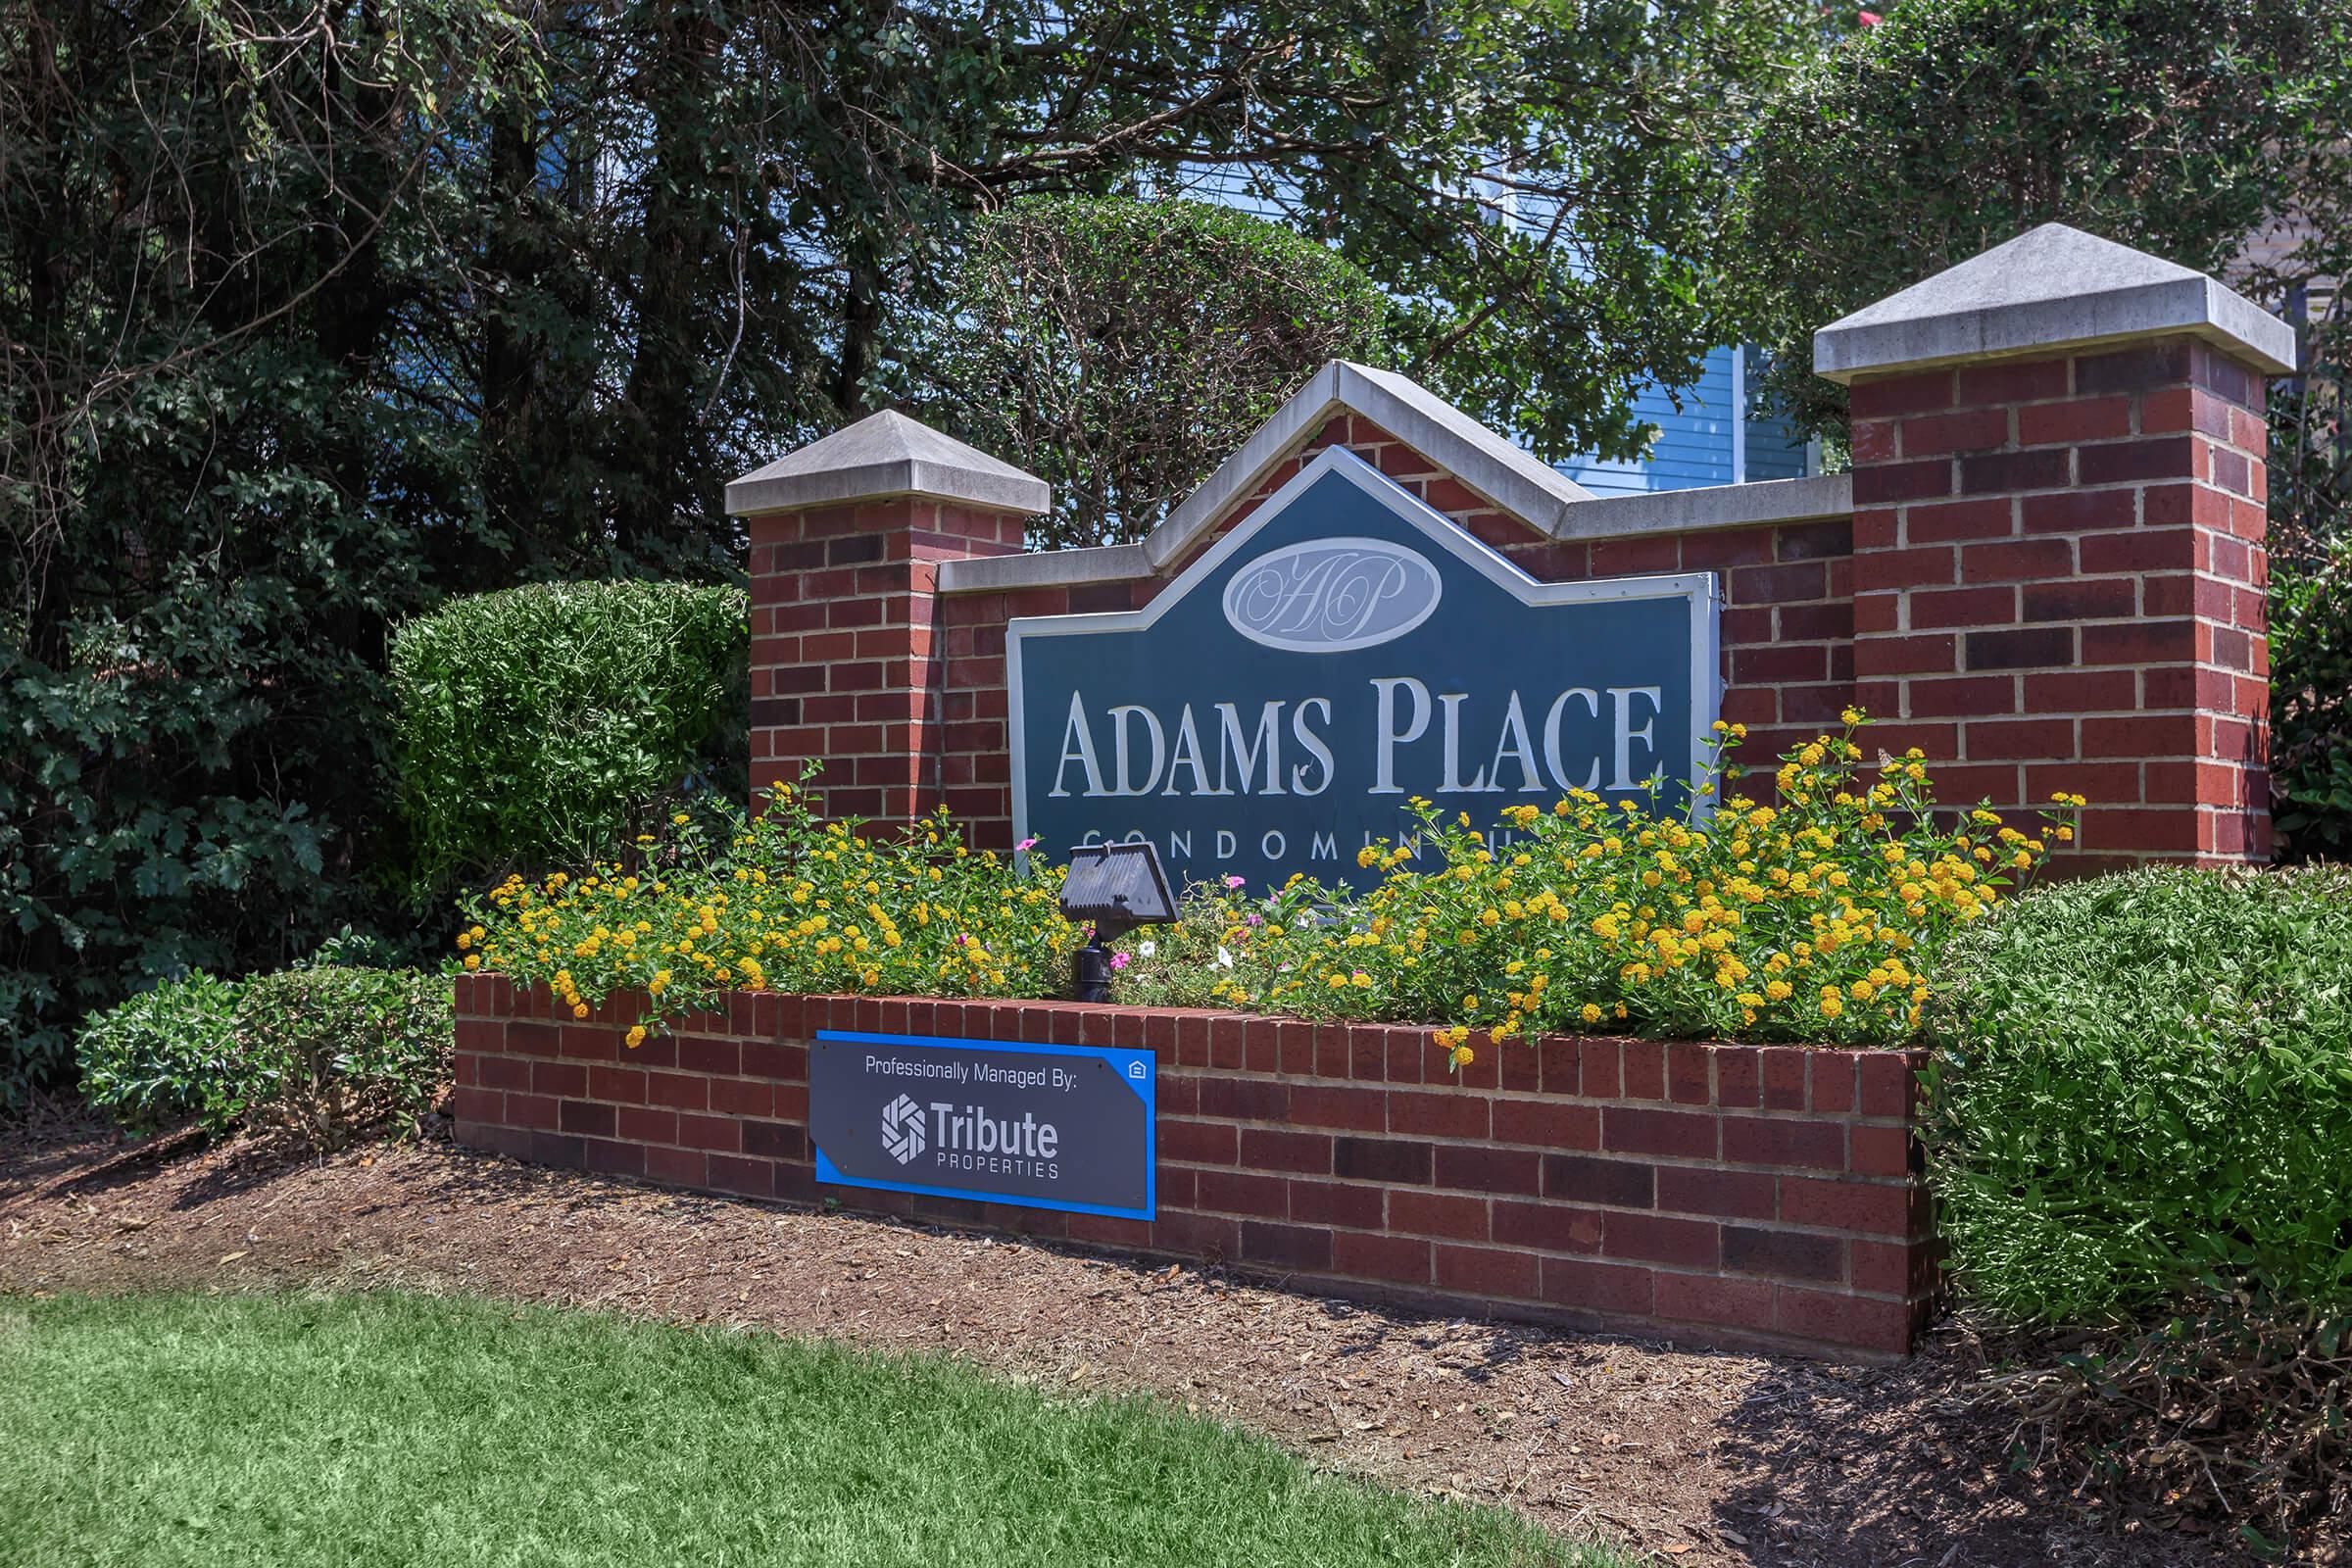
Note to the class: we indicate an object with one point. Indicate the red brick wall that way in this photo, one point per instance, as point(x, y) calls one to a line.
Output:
point(2060, 584)
point(1719, 1194)
point(2053, 580)
point(843, 670)
point(1787, 622)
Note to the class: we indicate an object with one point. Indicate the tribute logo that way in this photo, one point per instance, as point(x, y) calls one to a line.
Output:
point(908, 1114)
point(903, 1130)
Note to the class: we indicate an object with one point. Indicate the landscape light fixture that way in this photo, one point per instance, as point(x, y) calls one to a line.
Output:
point(1112, 888)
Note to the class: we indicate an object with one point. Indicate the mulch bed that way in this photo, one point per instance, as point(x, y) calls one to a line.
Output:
point(1701, 1457)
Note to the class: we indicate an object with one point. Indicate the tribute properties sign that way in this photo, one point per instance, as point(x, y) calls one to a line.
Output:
point(1041, 1126)
point(1340, 651)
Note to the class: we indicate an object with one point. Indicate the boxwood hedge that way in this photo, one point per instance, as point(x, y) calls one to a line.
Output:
point(2145, 1093)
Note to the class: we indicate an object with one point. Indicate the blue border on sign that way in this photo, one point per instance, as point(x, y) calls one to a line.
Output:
point(1145, 1088)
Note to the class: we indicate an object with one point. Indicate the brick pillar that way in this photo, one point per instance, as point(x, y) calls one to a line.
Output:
point(846, 539)
point(2058, 538)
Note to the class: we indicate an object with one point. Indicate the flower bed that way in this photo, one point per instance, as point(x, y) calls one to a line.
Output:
point(1815, 918)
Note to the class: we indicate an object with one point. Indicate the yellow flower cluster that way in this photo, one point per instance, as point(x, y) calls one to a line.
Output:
point(1817, 917)
point(784, 901)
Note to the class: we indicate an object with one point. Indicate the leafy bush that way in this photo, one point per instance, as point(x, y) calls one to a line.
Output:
point(160, 1056)
point(2143, 1092)
point(1819, 919)
point(2311, 704)
point(316, 1053)
point(784, 901)
point(319, 1054)
point(1121, 349)
point(546, 722)
point(185, 775)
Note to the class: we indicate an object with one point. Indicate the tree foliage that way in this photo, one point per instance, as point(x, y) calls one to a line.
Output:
point(2217, 134)
point(1121, 349)
point(313, 316)
point(226, 456)
point(2176, 126)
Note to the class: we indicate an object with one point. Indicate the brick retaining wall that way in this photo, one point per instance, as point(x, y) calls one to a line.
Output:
point(1718, 1193)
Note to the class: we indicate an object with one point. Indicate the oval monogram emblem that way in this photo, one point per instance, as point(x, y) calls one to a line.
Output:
point(1331, 595)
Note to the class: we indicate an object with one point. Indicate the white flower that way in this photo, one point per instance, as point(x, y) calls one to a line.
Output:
point(1224, 958)
point(1147, 949)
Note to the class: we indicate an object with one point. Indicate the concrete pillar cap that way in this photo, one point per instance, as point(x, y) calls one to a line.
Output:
point(886, 455)
point(2051, 288)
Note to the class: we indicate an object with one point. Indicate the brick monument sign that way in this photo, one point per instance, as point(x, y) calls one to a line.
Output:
point(2045, 570)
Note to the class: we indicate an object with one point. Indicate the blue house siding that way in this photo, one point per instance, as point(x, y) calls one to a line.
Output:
point(1773, 451)
point(1695, 443)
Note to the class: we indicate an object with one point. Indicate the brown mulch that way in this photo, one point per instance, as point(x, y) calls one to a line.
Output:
point(1701, 1457)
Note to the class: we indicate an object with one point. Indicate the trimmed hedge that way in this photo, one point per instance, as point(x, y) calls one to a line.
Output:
point(150, 1061)
point(313, 1053)
point(548, 722)
point(2145, 1093)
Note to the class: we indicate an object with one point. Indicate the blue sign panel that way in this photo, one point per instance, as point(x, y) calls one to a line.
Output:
point(1041, 1126)
point(1340, 651)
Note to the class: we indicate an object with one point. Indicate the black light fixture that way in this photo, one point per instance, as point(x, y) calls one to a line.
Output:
point(1113, 888)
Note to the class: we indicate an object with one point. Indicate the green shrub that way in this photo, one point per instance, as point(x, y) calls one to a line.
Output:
point(184, 776)
point(319, 1054)
point(158, 1057)
point(2146, 1092)
point(546, 722)
point(314, 1053)
point(2311, 704)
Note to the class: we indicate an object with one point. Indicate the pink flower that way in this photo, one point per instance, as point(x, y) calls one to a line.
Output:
point(1233, 882)
point(1257, 919)
point(1027, 844)
point(1867, 19)
point(1118, 961)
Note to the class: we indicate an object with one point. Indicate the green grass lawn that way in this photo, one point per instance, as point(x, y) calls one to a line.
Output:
point(385, 1429)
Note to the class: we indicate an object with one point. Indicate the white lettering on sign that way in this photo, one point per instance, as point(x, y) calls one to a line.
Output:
point(971, 1128)
point(1328, 595)
point(1242, 757)
point(1249, 756)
